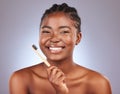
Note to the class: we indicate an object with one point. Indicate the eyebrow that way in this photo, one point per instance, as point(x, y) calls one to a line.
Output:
point(46, 27)
point(61, 27)
point(64, 27)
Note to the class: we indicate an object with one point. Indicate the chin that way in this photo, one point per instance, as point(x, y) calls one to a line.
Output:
point(55, 59)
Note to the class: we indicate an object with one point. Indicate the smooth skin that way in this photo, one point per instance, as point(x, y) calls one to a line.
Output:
point(58, 37)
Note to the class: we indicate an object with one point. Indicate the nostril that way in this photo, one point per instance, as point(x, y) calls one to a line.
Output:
point(54, 40)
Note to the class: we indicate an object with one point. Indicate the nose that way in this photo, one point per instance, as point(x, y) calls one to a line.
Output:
point(55, 38)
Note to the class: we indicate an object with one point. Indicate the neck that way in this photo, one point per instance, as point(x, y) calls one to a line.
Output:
point(65, 65)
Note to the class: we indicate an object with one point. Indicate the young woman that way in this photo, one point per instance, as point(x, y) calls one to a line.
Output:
point(59, 34)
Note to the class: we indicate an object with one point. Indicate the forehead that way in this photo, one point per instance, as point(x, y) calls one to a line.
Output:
point(57, 19)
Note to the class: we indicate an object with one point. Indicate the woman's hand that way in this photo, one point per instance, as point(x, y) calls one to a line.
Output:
point(57, 79)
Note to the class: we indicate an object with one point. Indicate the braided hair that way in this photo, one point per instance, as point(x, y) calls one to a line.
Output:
point(70, 11)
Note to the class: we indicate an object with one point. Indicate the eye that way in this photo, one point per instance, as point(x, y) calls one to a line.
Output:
point(45, 31)
point(65, 32)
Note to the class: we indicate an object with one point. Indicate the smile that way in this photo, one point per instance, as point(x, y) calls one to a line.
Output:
point(55, 49)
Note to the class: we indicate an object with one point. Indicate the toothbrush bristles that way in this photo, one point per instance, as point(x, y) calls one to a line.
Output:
point(34, 47)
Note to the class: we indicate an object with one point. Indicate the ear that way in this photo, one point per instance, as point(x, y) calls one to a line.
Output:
point(78, 39)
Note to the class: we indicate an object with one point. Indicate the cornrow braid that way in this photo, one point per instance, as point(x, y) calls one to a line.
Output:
point(70, 11)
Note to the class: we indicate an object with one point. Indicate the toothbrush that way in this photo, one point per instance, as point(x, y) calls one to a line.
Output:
point(36, 51)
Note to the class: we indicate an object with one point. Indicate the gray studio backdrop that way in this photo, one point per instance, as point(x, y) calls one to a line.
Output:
point(99, 48)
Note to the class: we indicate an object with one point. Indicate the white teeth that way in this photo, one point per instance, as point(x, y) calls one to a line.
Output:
point(55, 49)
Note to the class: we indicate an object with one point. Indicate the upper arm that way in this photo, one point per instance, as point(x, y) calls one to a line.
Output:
point(17, 84)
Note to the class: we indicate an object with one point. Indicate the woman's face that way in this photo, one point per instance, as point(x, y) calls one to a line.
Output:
point(58, 37)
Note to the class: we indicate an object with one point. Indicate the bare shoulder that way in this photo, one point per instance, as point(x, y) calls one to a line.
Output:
point(27, 72)
point(20, 80)
point(98, 83)
point(97, 78)
point(19, 75)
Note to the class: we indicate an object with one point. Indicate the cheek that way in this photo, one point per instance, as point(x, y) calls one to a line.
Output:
point(70, 40)
point(41, 41)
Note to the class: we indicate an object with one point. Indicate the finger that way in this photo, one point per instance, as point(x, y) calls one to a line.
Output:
point(51, 67)
point(53, 73)
point(59, 82)
point(59, 77)
point(49, 70)
point(59, 74)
